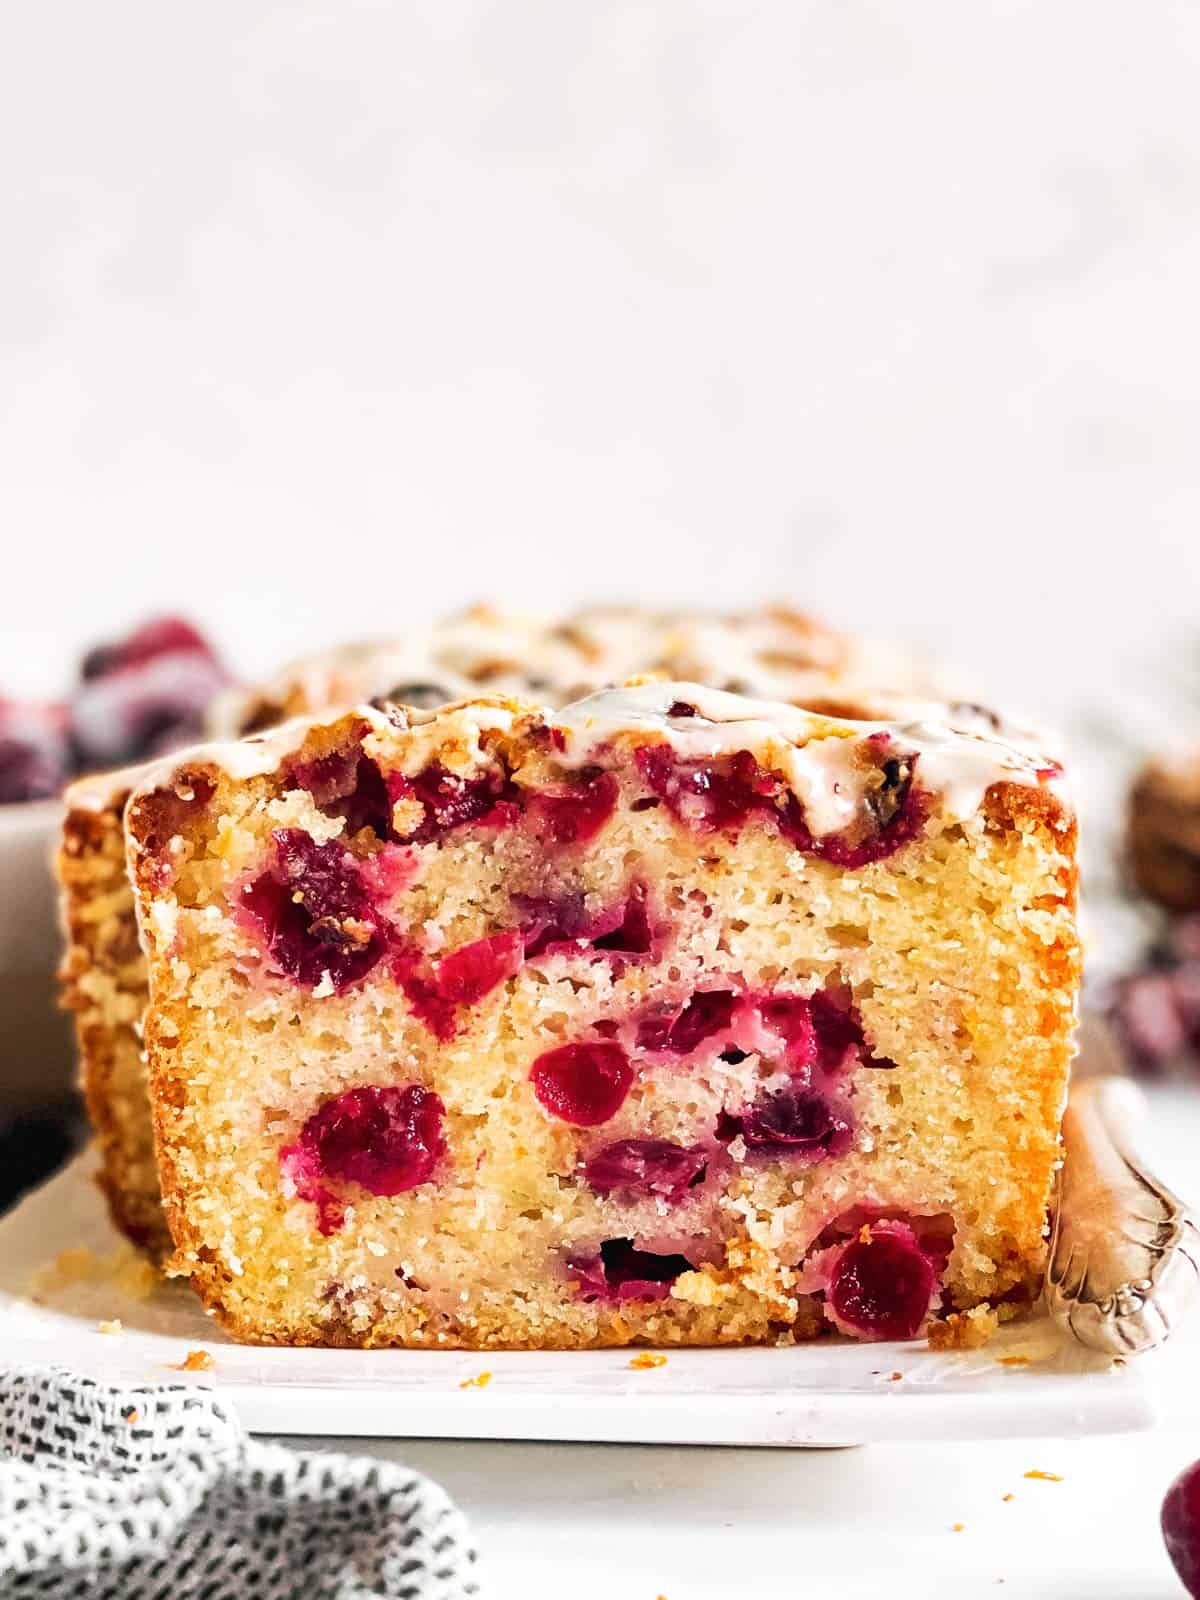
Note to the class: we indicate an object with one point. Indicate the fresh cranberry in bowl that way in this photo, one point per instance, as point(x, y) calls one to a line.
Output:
point(1180, 1520)
point(35, 754)
point(143, 694)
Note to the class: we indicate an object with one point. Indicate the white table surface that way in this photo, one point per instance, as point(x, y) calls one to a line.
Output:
point(621, 1522)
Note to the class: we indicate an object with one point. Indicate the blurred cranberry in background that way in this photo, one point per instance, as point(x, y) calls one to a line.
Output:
point(143, 694)
point(1181, 1526)
point(136, 697)
point(1156, 1011)
point(35, 753)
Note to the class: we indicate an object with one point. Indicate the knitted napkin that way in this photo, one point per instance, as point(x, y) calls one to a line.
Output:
point(156, 1493)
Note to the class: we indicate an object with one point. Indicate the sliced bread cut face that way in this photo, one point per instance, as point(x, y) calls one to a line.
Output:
point(671, 1017)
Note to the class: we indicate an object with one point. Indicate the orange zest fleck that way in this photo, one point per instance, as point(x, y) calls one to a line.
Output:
point(958, 1527)
point(1013, 1361)
point(1008, 1497)
point(479, 1381)
point(895, 1377)
point(1046, 1477)
point(645, 1360)
point(195, 1361)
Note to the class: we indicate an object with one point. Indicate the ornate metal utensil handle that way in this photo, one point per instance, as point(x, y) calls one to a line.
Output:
point(1125, 1253)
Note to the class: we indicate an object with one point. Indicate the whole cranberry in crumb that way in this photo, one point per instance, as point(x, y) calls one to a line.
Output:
point(1181, 1526)
point(584, 1084)
point(883, 1284)
point(386, 1139)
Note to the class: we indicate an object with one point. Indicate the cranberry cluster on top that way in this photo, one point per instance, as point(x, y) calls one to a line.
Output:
point(136, 698)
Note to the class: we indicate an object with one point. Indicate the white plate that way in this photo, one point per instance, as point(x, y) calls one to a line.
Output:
point(831, 1393)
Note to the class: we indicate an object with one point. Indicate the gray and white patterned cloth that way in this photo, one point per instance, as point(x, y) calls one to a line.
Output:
point(156, 1493)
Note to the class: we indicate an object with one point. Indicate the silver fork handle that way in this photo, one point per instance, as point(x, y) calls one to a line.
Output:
point(1125, 1253)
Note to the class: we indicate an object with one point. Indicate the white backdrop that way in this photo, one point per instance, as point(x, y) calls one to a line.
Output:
point(315, 318)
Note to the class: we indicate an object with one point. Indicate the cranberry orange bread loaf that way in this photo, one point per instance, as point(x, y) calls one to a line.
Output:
point(670, 1017)
point(780, 653)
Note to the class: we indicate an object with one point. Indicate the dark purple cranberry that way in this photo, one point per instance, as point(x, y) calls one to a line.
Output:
point(1181, 1527)
point(632, 935)
point(387, 1140)
point(645, 1167)
point(348, 784)
point(558, 925)
point(623, 1272)
point(574, 815)
point(450, 801)
point(882, 1284)
point(838, 1031)
point(35, 755)
point(316, 911)
point(790, 1122)
point(584, 1084)
point(708, 1012)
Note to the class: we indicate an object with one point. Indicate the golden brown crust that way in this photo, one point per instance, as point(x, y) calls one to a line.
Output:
point(103, 976)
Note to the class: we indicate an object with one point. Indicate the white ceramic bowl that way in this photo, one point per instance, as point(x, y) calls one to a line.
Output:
point(37, 1056)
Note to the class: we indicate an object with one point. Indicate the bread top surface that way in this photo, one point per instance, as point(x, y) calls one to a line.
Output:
point(955, 757)
point(773, 652)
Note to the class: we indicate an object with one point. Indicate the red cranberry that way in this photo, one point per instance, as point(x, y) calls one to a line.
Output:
point(791, 1016)
point(623, 1272)
point(473, 970)
point(462, 978)
point(387, 1140)
point(1181, 1526)
point(316, 912)
point(573, 815)
point(584, 1084)
point(348, 784)
point(713, 796)
point(707, 1013)
point(164, 636)
point(882, 1286)
point(35, 756)
point(646, 1167)
point(450, 801)
point(792, 1122)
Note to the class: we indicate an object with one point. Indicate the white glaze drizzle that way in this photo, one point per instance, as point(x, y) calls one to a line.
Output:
point(824, 760)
